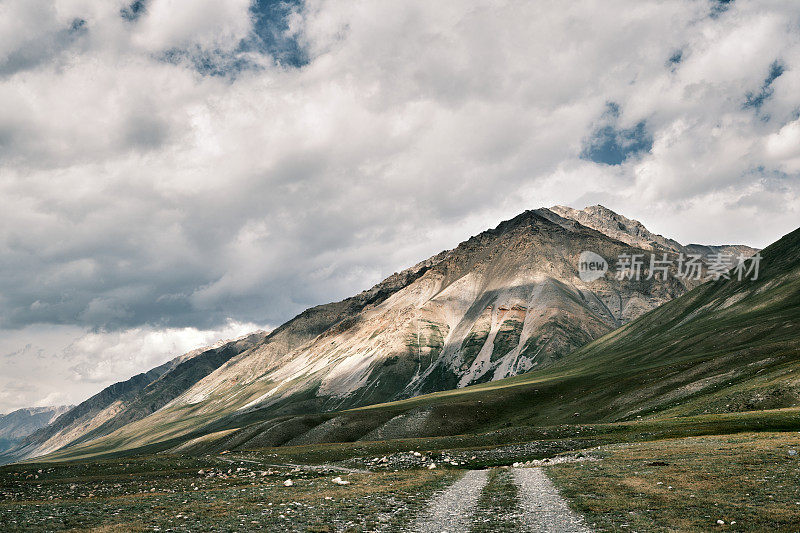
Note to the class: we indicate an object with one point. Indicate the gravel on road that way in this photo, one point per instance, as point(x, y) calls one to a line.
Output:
point(543, 508)
point(451, 510)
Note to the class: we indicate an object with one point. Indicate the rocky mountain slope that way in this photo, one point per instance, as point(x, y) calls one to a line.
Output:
point(502, 303)
point(18, 424)
point(499, 304)
point(715, 358)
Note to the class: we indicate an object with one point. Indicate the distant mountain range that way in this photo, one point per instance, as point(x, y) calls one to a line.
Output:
point(18, 424)
point(505, 302)
point(127, 401)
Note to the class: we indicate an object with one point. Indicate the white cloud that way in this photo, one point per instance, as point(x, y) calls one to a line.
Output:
point(51, 365)
point(186, 23)
point(103, 357)
point(783, 148)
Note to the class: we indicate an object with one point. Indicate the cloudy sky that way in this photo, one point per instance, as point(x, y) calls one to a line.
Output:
point(173, 172)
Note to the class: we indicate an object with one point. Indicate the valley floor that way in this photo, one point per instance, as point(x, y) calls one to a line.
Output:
point(750, 481)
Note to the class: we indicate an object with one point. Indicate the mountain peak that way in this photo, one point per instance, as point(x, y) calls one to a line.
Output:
point(624, 229)
point(634, 233)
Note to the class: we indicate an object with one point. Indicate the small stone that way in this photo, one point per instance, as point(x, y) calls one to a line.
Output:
point(720, 522)
point(288, 483)
point(431, 466)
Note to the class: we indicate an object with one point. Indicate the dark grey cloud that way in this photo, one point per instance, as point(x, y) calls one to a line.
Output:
point(30, 49)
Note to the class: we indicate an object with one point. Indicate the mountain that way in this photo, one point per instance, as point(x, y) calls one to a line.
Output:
point(502, 303)
point(713, 356)
point(499, 304)
point(20, 423)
